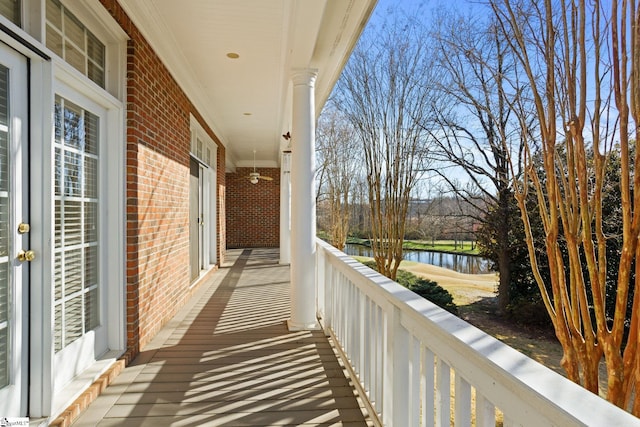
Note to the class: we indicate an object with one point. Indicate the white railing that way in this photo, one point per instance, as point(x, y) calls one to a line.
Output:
point(422, 366)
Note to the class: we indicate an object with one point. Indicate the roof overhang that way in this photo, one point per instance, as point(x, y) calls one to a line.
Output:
point(247, 100)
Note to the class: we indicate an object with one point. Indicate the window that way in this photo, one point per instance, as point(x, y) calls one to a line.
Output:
point(202, 147)
point(73, 42)
point(10, 9)
point(76, 222)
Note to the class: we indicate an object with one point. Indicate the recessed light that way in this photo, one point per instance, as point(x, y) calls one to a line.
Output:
point(233, 55)
point(247, 114)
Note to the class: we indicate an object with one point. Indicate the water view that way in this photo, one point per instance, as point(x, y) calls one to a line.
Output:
point(469, 264)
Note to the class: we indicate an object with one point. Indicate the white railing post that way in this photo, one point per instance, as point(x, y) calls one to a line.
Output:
point(395, 388)
point(366, 377)
point(379, 353)
point(329, 284)
point(485, 412)
point(443, 394)
point(321, 259)
point(462, 402)
point(427, 387)
point(387, 368)
point(363, 332)
point(414, 383)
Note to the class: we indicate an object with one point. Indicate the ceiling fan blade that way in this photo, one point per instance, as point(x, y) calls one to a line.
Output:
point(268, 178)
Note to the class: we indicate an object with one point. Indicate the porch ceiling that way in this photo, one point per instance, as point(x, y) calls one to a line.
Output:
point(247, 100)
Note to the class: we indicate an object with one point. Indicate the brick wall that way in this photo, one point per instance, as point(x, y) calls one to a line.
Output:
point(253, 210)
point(157, 153)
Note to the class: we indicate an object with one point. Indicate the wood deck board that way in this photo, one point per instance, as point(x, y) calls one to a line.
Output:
point(228, 360)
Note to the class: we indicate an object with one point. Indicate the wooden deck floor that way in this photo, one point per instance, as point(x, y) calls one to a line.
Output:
point(227, 359)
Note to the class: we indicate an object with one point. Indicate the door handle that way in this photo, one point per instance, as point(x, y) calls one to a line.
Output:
point(23, 228)
point(26, 255)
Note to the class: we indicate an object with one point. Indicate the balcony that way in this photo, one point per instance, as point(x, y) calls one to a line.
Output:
point(228, 359)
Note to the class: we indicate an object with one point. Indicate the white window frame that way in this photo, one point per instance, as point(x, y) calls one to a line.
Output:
point(96, 19)
point(112, 226)
point(101, 24)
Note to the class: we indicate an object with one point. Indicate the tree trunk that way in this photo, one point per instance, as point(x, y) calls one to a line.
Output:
point(504, 280)
point(559, 50)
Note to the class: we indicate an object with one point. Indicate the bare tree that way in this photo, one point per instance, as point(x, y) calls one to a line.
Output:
point(385, 91)
point(474, 129)
point(575, 55)
point(360, 218)
point(339, 159)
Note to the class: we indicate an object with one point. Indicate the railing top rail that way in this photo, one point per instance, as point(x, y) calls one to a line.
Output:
point(511, 375)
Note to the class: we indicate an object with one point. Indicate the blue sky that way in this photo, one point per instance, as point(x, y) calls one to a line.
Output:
point(424, 6)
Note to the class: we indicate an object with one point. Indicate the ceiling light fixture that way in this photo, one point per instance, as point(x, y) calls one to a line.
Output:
point(255, 176)
point(233, 55)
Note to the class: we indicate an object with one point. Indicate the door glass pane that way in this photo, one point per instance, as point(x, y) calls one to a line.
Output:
point(91, 308)
point(76, 223)
point(90, 183)
point(10, 9)
point(5, 279)
point(73, 272)
point(4, 353)
point(57, 332)
point(4, 225)
point(72, 320)
point(4, 323)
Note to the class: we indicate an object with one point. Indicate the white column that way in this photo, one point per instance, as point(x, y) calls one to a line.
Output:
point(303, 208)
point(285, 209)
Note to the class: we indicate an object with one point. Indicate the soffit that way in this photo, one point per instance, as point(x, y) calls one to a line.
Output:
point(247, 101)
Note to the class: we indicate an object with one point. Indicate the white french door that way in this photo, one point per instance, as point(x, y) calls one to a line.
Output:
point(197, 219)
point(80, 333)
point(204, 219)
point(15, 253)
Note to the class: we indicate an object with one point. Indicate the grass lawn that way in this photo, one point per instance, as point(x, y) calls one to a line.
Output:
point(463, 247)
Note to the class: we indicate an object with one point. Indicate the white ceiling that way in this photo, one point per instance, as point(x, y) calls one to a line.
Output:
point(247, 101)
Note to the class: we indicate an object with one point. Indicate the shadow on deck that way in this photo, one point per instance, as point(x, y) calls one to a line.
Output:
point(227, 359)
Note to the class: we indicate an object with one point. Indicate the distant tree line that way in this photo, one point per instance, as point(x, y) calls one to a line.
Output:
point(429, 220)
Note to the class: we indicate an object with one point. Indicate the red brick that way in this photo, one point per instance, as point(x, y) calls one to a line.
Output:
point(253, 210)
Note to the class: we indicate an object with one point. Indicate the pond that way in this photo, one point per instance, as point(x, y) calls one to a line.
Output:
point(468, 264)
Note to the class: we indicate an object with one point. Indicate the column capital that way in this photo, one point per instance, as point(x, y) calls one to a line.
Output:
point(304, 76)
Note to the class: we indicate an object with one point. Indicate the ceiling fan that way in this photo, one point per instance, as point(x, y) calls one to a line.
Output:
point(254, 176)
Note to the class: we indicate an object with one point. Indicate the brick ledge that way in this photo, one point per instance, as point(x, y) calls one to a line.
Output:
point(73, 411)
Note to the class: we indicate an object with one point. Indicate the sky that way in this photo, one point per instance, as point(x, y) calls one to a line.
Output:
point(423, 9)
point(423, 6)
